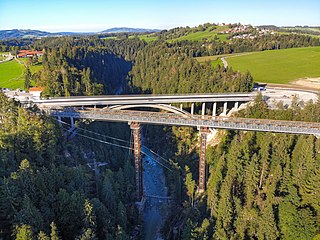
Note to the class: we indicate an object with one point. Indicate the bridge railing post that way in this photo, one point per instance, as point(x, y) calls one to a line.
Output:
point(202, 159)
point(135, 127)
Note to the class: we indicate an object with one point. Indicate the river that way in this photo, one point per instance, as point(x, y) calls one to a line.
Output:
point(154, 184)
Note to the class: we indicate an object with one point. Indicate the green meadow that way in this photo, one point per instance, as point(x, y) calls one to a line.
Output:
point(12, 73)
point(148, 37)
point(279, 66)
point(210, 34)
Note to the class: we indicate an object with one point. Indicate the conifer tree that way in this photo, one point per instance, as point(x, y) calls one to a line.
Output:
point(27, 76)
point(24, 232)
point(190, 185)
point(42, 236)
point(54, 235)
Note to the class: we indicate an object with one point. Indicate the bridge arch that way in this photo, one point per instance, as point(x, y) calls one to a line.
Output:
point(165, 107)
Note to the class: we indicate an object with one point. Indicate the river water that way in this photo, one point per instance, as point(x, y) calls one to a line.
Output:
point(156, 209)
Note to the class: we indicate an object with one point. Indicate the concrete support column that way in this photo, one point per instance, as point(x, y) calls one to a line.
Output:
point(135, 127)
point(203, 112)
point(72, 122)
point(236, 105)
point(214, 109)
point(202, 159)
point(181, 106)
point(192, 108)
point(225, 108)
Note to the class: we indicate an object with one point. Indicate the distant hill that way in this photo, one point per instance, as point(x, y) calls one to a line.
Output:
point(28, 33)
point(22, 33)
point(129, 30)
point(204, 32)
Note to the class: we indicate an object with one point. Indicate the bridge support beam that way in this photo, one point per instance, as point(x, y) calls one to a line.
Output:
point(135, 127)
point(214, 109)
point(236, 105)
point(59, 121)
point(225, 108)
point(72, 122)
point(203, 112)
point(192, 108)
point(202, 159)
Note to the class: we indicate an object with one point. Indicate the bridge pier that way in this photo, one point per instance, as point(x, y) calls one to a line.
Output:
point(202, 159)
point(135, 127)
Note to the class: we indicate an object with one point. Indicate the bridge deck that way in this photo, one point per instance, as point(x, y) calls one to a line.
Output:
point(247, 124)
point(144, 99)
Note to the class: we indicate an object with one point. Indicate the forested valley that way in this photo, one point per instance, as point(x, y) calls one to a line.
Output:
point(260, 186)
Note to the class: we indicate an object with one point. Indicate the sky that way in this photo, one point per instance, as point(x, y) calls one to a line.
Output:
point(98, 15)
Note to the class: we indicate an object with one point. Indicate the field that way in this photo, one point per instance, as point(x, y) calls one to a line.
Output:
point(310, 31)
point(209, 34)
point(110, 38)
point(216, 59)
point(148, 37)
point(12, 74)
point(279, 66)
point(33, 68)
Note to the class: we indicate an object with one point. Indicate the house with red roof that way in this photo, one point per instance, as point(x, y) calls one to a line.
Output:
point(29, 53)
point(36, 92)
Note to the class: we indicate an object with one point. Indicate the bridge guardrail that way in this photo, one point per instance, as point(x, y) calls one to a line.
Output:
point(218, 122)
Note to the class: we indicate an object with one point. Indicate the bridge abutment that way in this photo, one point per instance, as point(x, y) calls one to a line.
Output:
point(204, 131)
point(135, 127)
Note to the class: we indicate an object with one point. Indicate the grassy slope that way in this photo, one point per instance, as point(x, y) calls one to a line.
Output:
point(279, 66)
point(208, 34)
point(146, 37)
point(216, 57)
point(11, 75)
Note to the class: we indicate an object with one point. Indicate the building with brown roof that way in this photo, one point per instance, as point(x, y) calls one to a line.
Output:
point(29, 53)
